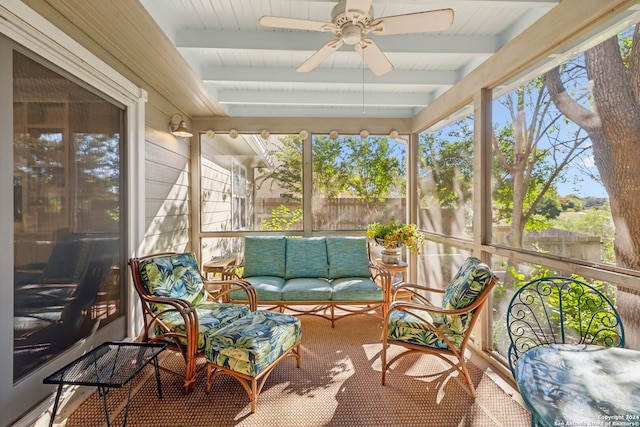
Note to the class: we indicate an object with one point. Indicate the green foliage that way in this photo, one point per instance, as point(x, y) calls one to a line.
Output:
point(593, 222)
point(571, 203)
point(369, 169)
point(446, 161)
point(580, 312)
point(396, 233)
point(282, 218)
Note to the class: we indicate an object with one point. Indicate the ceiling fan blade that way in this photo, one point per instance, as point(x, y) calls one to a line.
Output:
point(296, 24)
point(375, 59)
point(420, 22)
point(320, 55)
point(359, 6)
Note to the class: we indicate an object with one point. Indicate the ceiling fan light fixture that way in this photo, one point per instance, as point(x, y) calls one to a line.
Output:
point(352, 34)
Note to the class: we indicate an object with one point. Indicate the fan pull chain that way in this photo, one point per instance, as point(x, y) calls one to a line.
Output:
point(363, 50)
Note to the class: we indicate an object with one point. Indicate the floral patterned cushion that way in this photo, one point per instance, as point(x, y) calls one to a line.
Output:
point(178, 276)
point(253, 343)
point(173, 276)
point(406, 327)
point(471, 279)
point(210, 316)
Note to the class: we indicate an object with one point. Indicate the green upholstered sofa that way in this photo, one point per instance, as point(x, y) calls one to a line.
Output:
point(313, 275)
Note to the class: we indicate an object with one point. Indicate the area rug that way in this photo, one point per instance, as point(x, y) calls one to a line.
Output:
point(338, 384)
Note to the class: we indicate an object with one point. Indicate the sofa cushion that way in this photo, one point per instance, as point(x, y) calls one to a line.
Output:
point(268, 288)
point(307, 289)
point(264, 256)
point(348, 257)
point(356, 289)
point(306, 257)
point(468, 283)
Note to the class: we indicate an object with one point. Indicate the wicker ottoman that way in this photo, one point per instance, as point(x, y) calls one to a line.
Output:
point(249, 348)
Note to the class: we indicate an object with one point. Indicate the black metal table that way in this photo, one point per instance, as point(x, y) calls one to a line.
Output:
point(110, 365)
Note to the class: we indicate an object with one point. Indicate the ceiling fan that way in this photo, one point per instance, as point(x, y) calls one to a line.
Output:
point(351, 20)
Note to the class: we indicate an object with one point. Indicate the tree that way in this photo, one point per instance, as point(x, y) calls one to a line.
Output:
point(446, 164)
point(530, 154)
point(613, 125)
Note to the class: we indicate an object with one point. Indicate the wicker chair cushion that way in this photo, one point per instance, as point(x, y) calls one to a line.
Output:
point(408, 328)
point(253, 343)
point(211, 316)
point(348, 257)
point(468, 283)
point(264, 256)
point(356, 289)
point(173, 276)
point(306, 258)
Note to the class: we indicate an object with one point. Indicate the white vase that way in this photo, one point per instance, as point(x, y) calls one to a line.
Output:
point(391, 255)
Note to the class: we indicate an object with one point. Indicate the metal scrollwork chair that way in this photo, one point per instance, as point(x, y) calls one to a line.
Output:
point(421, 327)
point(555, 310)
point(177, 308)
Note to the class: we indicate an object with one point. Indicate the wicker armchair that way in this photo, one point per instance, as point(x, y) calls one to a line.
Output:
point(177, 308)
point(421, 327)
point(555, 310)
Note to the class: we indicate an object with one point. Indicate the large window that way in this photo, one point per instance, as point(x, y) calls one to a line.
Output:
point(357, 179)
point(445, 178)
point(565, 171)
point(67, 148)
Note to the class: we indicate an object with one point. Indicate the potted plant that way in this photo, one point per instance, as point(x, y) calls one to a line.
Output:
point(393, 235)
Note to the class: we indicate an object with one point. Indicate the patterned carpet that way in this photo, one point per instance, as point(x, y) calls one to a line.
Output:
point(338, 384)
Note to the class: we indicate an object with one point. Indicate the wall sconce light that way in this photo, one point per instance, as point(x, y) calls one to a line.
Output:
point(233, 133)
point(364, 133)
point(265, 134)
point(304, 134)
point(210, 133)
point(179, 129)
point(333, 134)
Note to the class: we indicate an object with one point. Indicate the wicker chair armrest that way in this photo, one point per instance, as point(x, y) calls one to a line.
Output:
point(414, 287)
point(382, 277)
point(228, 286)
point(404, 306)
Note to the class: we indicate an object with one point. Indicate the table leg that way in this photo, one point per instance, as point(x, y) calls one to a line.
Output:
point(55, 405)
point(155, 365)
point(126, 409)
point(103, 392)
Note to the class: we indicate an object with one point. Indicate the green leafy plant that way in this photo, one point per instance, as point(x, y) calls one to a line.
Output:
point(282, 218)
point(396, 233)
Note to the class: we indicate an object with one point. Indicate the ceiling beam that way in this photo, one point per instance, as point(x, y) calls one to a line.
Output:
point(331, 98)
point(507, 3)
point(285, 40)
point(288, 111)
point(327, 75)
